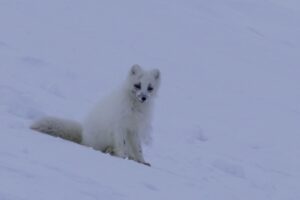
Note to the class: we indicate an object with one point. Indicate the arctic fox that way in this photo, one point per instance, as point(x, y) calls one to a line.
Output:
point(118, 124)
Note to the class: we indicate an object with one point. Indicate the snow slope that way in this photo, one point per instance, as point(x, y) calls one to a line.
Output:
point(227, 118)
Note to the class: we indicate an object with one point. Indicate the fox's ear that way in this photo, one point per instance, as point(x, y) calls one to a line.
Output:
point(135, 69)
point(156, 74)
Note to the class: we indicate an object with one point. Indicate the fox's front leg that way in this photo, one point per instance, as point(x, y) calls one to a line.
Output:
point(135, 150)
point(119, 147)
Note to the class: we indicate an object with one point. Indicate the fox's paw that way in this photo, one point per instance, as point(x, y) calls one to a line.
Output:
point(145, 163)
point(141, 162)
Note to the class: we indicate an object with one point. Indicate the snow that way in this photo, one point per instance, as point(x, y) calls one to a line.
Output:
point(227, 117)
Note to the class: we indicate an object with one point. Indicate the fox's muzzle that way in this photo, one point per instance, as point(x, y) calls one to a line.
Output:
point(142, 98)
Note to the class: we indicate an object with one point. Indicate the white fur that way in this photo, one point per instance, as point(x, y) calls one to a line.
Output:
point(121, 122)
point(63, 128)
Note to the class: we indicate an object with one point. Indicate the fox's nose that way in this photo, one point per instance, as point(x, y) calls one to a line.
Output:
point(144, 98)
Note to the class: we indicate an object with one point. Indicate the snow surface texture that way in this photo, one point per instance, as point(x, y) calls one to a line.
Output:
point(227, 119)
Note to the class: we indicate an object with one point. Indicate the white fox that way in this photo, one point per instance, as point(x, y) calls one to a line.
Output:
point(119, 123)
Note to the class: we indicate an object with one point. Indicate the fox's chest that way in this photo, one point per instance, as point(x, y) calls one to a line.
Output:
point(132, 120)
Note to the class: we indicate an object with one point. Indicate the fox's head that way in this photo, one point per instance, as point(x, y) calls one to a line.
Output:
point(143, 84)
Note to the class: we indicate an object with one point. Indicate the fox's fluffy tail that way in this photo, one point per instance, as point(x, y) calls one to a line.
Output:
point(66, 129)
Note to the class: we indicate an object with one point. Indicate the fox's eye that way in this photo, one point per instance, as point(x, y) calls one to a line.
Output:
point(137, 86)
point(150, 88)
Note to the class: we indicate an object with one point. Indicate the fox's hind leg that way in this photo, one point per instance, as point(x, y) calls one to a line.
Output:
point(109, 150)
